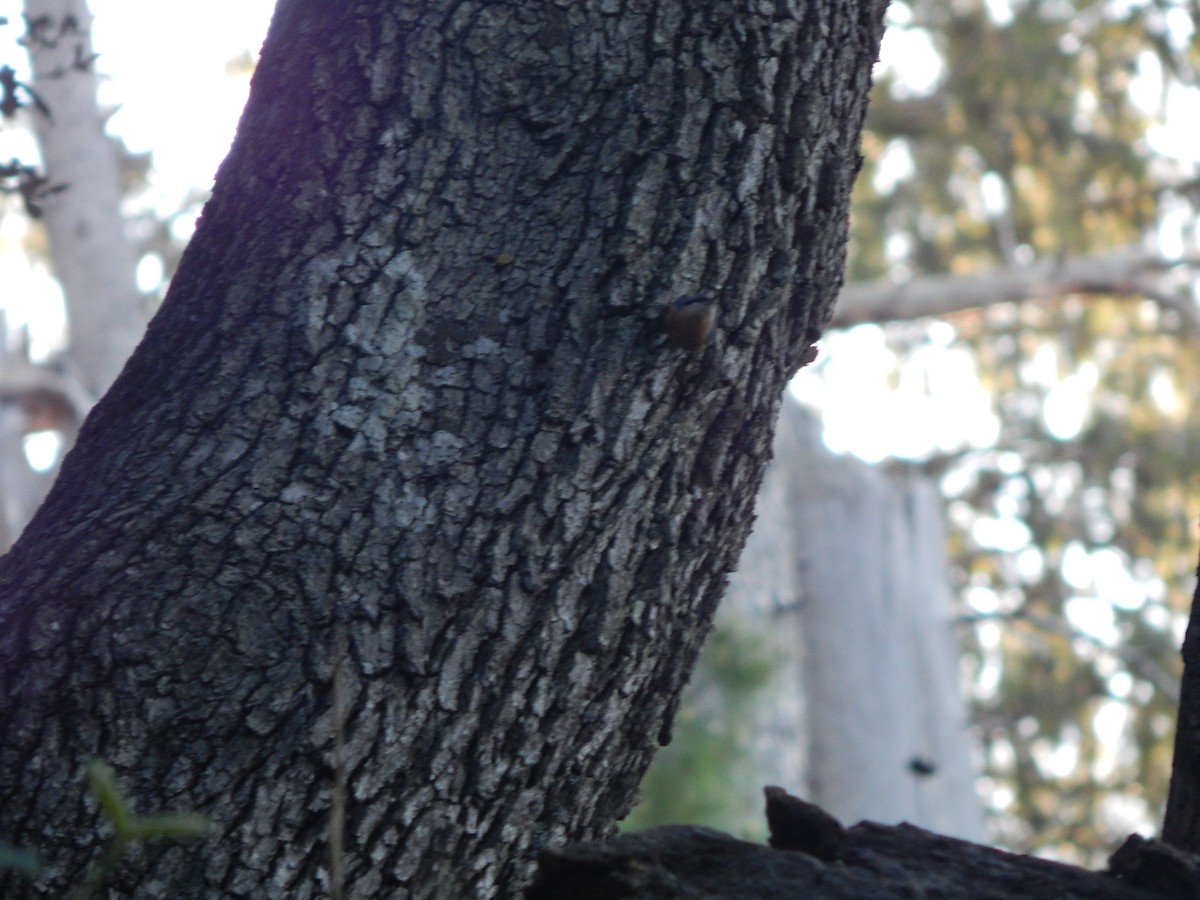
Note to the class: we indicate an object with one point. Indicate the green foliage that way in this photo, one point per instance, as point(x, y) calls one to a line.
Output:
point(1088, 609)
point(702, 777)
point(1037, 107)
point(1029, 144)
point(129, 827)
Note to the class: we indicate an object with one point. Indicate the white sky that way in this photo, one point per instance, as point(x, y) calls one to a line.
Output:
point(165, 62)
point(164, 68)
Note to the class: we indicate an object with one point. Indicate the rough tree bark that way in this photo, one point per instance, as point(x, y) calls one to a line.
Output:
point(1181, 822)
point(866, 862)
point(410, 387)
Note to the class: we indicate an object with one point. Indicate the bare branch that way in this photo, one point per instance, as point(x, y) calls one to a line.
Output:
point(1127, 272)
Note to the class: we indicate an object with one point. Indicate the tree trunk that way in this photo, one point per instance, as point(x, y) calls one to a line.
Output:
point(1181, 822)
point(876, 862)
point(887, 722)
point(94, 259)
point(845, 574)
point(410, 386)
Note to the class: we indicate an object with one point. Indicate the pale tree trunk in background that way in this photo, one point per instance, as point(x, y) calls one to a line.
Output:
point(851, 561)
point(881, 651)
point(410, 387)
point(93, 259)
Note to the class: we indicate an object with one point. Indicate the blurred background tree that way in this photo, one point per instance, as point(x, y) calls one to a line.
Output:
point(1024, 249)
point(703, 776)
point(75, 203)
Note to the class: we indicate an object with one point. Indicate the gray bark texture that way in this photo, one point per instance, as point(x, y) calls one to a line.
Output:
point(876, 862)
point(410, 390)
point(1181, 821)
point(812, 855)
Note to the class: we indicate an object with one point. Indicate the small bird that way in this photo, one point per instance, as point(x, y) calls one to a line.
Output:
point(689, 321)
point(798, 825)
point(922, 766)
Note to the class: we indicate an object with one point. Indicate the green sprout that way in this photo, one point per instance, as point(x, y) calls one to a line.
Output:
point(128, 826)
